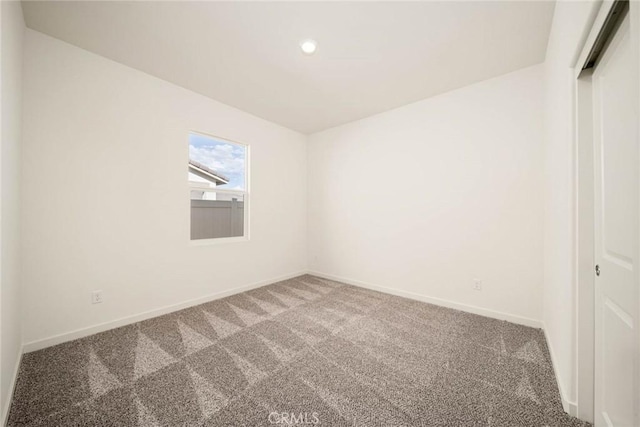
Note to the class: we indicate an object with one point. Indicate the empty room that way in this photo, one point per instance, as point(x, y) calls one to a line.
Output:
point(333, 213)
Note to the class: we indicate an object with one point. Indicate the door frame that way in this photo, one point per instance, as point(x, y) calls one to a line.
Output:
point(584, 204)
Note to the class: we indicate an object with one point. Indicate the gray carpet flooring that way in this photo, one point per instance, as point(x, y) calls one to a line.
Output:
point(302, 351)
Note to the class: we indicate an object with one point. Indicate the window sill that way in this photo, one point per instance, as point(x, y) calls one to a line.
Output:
point(218, 241)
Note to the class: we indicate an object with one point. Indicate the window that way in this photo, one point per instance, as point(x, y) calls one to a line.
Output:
point(218, 188)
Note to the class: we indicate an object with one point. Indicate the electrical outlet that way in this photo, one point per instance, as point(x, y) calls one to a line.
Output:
point(96, 297)
point(477, 284)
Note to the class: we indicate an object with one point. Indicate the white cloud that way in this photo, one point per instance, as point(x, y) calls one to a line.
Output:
point(225, 159)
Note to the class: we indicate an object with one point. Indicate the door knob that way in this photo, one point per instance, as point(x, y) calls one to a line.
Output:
point(597, 270)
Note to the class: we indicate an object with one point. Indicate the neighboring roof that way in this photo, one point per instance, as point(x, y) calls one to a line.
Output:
point(207, 173)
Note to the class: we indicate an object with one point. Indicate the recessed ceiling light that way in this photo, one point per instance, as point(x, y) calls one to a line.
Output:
point(308, 46)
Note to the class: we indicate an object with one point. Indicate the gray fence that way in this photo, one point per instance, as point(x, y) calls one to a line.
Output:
point(216, 218)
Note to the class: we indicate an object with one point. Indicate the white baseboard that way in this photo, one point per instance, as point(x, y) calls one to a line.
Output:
point(6, 405)
point(437, 301)
point(569, 406)
point(84, 332)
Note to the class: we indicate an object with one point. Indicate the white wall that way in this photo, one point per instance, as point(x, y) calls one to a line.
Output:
point(571, 24)
point(93, 126)
point(427, 197)
point(12, 31)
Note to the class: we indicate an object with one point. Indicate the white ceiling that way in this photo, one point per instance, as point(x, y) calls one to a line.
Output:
point(371, 57)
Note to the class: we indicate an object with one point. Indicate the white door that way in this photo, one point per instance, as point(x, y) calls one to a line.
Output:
point(616, 160)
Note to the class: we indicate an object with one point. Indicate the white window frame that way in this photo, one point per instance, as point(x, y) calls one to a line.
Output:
point(245, 195)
